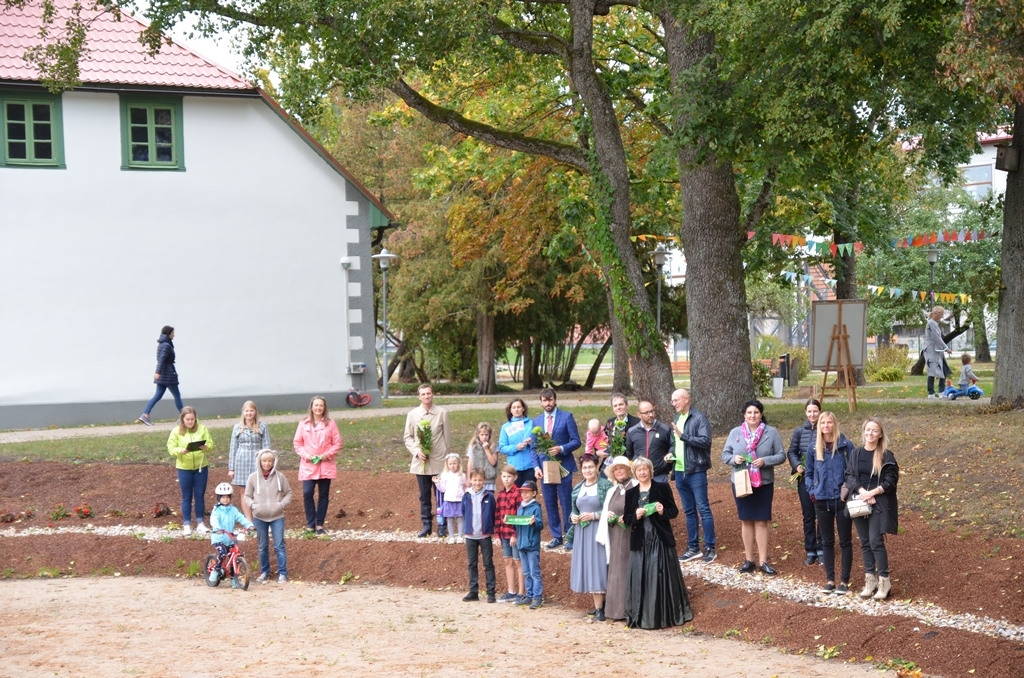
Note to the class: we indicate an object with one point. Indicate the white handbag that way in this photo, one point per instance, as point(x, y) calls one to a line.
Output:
point(858, 508)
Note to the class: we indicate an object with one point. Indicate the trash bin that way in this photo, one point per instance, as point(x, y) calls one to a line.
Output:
point(777, 383)
point(784, 366)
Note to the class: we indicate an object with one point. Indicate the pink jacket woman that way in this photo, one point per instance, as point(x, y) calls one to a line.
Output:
point(321, 440)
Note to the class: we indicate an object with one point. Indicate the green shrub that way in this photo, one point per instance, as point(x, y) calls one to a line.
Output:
point(887, 363)
point(767, 346)
point(762, 379)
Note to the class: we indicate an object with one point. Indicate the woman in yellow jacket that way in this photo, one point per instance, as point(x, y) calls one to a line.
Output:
point(188, 444)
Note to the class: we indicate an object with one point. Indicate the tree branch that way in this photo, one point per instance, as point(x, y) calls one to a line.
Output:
point(601, 7)
point(563, 153)
point(530, 41)
point(642, 107)
point(762, 202)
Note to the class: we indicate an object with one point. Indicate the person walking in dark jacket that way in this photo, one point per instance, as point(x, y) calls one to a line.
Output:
point(799, 445)
point(692, 461)
point(823, 480)
point(872, 474)
point(165, 377)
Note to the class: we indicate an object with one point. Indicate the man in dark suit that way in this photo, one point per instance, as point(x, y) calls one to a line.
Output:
point(561, 426)
point(620, 406)
point(653, 440)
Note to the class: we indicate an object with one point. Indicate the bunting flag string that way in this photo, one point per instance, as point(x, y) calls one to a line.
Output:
point(848, 248)
point(926, 239)
point(878, 290)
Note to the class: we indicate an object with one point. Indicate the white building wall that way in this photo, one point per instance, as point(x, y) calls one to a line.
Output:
point(240, 253)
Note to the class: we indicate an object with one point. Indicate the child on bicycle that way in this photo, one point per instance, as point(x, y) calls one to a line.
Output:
point(223, 519)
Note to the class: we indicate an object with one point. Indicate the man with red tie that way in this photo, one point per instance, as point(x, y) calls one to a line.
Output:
point(561, 426)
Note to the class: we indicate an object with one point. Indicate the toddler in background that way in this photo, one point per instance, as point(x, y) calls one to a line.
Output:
point(451, 485)
point(967, 376)
point(597, 442)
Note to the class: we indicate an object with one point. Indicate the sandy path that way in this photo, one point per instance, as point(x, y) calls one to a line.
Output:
point(165, 627)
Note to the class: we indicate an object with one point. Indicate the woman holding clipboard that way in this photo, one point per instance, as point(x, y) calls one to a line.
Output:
point(188, 444)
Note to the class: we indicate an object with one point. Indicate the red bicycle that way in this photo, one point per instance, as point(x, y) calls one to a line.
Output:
point(231, 565)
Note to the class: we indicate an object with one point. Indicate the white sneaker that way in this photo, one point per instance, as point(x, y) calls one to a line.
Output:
point(931, 396)
point(201, 528)
point(186, 530)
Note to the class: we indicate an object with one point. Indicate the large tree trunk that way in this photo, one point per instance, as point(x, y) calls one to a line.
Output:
point(646, 351)
point(846, 288)
point(620, 376)
point(485, 354)
point(530, 380)
point(1009, 386)
point(981, 352)
point(716, 298)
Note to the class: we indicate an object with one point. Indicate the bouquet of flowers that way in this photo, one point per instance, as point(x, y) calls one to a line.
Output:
point(617, 438)
point(425, 434)
point(544, 444)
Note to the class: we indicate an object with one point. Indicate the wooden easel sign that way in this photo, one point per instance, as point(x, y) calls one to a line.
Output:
point(839, 343)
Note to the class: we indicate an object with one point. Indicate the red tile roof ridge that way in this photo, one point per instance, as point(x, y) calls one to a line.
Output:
point(113, 53)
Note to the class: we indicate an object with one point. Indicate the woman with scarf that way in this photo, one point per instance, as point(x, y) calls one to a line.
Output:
point(612, 534)
point(757, 447)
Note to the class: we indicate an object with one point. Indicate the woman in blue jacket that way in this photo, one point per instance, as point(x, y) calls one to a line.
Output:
point(165, 377)
point(798, 454)
point(514, 441)
point(823, 479)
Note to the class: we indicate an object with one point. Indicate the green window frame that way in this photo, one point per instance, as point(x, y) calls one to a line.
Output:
point(31, 130)
point(151, 133)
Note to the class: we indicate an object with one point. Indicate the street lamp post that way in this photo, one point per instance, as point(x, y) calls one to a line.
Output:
point(933, 256)
point(660, 255)
point(384, 259)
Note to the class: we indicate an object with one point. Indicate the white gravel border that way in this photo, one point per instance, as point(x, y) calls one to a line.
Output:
point(788, 588)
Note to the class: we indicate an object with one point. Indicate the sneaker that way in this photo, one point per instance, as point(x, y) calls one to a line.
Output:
point(931, 396)
point(321, 531)
point(554, 543)
point(842, 589)
point(691, 554)
point(186, 530)
point(522, 600)
point(568, 546)
point(537, 602)
point(201, 528)
point(828, 588)
point(470, 597)
point(144, 418)
point(710, 555)
point(282, 579)
point(812, 557)
point(491, 598)
point(262, 579)
point(509, 598)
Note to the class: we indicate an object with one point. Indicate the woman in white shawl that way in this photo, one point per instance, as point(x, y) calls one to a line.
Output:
point(934, 347)
point(614, 537)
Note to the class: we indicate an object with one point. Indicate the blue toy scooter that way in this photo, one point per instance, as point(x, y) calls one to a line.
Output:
point(972, 392)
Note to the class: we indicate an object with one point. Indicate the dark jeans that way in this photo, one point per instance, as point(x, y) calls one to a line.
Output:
point(832, 518)
point(160, 389)
point(553, 496)
point(426, 487)
point(316, 514)
point(693, 495)
point(871, 533)
point(523, 476)
point(931, 385)
point(812, 531)
point(486, 547)
point(193, 487)
point(276, 529)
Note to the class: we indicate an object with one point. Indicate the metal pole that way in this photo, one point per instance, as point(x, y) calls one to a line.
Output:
point(931, 281)
point(384, 371)
point(659, 299)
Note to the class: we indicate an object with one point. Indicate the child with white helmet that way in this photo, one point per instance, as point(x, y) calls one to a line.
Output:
point(223, 519)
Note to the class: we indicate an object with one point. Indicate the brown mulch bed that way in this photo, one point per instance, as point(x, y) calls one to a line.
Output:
point(961, 574)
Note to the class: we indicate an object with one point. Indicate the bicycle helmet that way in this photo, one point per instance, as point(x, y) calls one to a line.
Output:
point(224, 488)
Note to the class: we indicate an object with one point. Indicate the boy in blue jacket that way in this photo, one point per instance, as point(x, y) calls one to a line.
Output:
point(527, 540)
point(223, 518)
point(478, 518)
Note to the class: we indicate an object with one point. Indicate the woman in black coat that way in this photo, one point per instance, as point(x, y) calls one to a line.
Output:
point(655, 592)
point(803, 440)
point(872, 475)
point(166, 376)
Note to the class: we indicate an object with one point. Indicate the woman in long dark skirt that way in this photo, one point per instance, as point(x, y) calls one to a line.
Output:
point(655, 592)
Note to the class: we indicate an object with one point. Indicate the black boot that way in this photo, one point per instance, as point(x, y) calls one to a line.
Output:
point(599, 615)
point(425, 532)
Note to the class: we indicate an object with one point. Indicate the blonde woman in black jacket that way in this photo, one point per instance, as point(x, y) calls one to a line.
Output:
point(872, 475)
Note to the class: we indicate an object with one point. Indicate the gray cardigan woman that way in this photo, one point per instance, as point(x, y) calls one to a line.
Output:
point(934, 347)
point(758, 447)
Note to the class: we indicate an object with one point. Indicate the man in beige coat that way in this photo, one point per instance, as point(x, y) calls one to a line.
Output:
point(427, 465)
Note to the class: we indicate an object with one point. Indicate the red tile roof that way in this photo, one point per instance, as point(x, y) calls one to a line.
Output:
point(115, 56)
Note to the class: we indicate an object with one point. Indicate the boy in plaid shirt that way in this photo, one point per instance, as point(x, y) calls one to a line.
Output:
point(507, 503)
